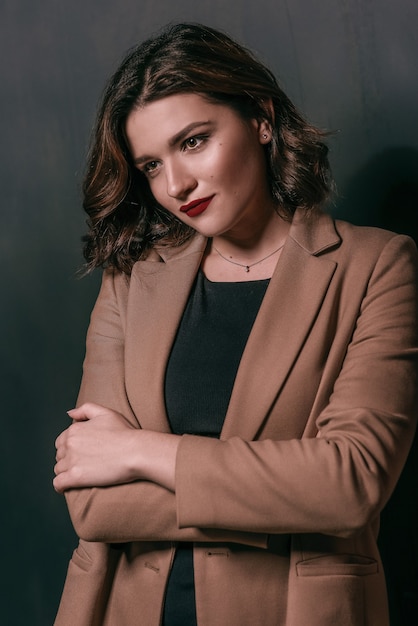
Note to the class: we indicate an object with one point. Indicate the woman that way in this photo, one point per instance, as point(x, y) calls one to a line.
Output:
point(249, 388)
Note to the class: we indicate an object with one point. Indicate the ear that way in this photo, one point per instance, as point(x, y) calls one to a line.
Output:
point(265, 129)
point(264, 132)
point(268, 107)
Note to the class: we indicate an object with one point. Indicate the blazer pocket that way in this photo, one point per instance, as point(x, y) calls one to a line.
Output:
point(337, 565)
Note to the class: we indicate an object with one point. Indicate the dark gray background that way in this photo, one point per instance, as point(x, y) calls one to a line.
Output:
point(350, 65)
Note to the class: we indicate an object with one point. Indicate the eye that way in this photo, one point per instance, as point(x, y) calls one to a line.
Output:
point(150, 167)
point(191, 143)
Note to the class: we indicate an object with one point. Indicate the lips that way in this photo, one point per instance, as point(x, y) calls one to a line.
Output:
point(196, 207)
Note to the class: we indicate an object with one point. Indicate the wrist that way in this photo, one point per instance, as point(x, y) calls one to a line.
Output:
point(156, 457)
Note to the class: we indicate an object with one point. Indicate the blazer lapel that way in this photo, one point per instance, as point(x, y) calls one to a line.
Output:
point(157, 298)
point(289, 308)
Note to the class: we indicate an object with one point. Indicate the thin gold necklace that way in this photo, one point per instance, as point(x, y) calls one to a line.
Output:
point(244, 265)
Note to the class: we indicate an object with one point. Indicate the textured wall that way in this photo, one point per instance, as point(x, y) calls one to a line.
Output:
point(350, 65)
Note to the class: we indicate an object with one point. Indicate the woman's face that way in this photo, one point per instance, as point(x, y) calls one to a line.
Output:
point(203, 162)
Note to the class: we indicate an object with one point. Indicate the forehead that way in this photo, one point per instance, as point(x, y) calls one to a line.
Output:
point(178, 107)
point(161, 120)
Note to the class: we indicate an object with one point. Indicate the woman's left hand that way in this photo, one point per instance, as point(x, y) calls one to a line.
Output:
point(101, 448)
point(96, 450)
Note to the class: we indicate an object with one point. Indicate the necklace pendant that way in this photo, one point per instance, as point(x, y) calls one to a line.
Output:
point(247, 267)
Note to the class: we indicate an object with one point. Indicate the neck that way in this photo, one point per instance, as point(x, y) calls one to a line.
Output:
point(256, 241)
point(252, 257)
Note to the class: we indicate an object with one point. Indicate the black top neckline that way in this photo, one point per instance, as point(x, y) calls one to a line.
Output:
point(261, 281)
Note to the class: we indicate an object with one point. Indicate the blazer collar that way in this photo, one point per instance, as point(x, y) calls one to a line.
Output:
point(315, 233)
point(158, 294)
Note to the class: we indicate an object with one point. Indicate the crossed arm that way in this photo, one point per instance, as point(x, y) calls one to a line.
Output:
point(120, 480)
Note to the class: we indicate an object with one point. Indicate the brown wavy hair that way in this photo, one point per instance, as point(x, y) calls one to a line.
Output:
point(124, 219)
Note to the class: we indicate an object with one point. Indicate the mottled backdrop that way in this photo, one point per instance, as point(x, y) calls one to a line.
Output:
point(351, 66)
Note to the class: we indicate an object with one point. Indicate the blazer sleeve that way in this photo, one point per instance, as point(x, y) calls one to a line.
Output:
point(139, 511)
point(337, 482)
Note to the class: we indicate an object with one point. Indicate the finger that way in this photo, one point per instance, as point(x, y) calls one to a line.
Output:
point(59, 467)
point(59, 441)
point(77, 415)
point(66, 477)
point(60, 454)
point(59, 483)
point(87, 411)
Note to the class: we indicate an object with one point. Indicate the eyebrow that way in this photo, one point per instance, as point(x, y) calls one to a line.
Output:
point(177, 138)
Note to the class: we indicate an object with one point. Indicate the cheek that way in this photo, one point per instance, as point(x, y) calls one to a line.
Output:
point(158, 190)
point(238, 162)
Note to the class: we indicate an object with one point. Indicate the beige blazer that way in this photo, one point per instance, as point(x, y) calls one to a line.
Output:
point(284, 508)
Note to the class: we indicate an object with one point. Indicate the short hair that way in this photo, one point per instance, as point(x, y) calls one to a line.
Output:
point(124, 219)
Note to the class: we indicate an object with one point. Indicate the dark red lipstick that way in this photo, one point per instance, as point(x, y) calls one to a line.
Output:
point(196, 207)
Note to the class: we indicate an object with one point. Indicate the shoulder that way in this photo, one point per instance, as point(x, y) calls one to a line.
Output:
point(320, 234)
point(368, 256)
point(369, 243)
point(372, 235)
point(358, 252)
point(117, 285)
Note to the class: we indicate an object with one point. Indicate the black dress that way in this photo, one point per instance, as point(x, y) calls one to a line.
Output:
point(200, 375)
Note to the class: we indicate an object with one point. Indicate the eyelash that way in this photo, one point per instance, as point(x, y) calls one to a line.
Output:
point(150, 168)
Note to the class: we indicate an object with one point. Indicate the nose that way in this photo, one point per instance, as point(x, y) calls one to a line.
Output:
point(180, 181)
